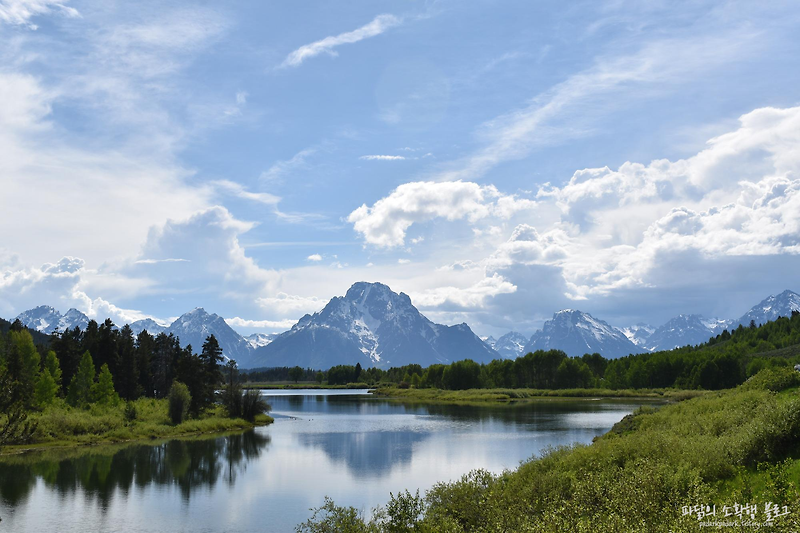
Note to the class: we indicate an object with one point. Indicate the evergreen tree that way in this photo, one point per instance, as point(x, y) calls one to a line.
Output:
point(22, 363)
point(295, 373)
point(127, 377)
point(103, 391)
point(46, 389)
point(232, 395)
point(67, 346)
point(80, 388)
point(211, 358)
point(145, 345)
point(52, 365)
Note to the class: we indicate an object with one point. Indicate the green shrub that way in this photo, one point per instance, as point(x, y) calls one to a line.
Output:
point(179, 401)
point(775, 379)
point(253, 404)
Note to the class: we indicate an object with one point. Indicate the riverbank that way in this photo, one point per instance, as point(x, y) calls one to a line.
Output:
point(62, 426)
point(314, 386)
point(658, 470)
point(503, 396)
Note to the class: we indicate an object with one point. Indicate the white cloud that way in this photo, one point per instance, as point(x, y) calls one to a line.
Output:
point(385, 223)
point(378, 25)
point(382, 158)
point(470, 298)
point(314, 257)
point(403, 261)
point(289, 304)
point(63, 284)
point(238, 190)
point(738, 197)
point(20, 12)
point(281, 168)
point(276, 325)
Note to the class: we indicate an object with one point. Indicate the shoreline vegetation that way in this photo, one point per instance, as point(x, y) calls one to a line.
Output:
point(509, 396)
point(99, 385)
point(656, 470)
point(62, 426)
point(312, 386)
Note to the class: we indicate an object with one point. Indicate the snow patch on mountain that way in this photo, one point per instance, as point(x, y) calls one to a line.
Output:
point(46, 319)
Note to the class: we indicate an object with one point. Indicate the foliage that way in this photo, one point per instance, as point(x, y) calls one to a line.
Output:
point(295, 373)
point(179, 401)
point(720, 448)
point(46, 389)
point(253, 404)
point(232, 394)
point(103, 391)
point(80, 388)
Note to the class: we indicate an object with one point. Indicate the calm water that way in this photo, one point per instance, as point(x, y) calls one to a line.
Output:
point(351, 447)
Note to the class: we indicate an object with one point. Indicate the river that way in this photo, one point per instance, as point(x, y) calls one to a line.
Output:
point(343, 444)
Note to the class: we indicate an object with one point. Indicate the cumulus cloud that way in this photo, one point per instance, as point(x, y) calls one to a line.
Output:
point(377, 26)
point(385, 223)
point(314, 257)
point(63, 284)
point(617, 228)
point(470, 298)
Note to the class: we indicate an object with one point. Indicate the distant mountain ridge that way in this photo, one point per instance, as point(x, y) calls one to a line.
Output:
point(373, 326)
point(46, 319)
point(771, 308)
point(577, 333)
point(509, 346)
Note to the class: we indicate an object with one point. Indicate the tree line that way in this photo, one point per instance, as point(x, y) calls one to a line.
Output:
point(107, 365)
point(725, 361)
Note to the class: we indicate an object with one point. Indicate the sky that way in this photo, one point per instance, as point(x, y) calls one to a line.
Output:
point(495, 160)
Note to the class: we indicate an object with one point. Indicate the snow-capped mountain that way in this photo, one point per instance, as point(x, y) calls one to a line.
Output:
point(374, 326)
point(152, 327)
point(684, 330)
point(578, 333)
point(489, 341)
point(45, 319)
point(771, 308)
point(510, 346)
point(196, 325)
point(639, 334)
point(257, 340)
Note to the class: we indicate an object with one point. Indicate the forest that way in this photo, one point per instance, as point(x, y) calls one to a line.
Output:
point(723, 362)
point(105, 370)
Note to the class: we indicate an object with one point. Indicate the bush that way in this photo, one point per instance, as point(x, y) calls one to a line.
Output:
point(130, 411)
point(253, 404)
point(774, 379)
point(179, 401)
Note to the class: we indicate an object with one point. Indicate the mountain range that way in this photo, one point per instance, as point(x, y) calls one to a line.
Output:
point(375, 326)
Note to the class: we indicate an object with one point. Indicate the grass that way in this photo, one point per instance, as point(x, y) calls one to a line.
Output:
point(61, 425)
point(740, 446)
point(478, 396)
point(300, 385)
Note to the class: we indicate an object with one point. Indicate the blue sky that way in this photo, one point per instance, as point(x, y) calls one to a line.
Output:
point(497, 161)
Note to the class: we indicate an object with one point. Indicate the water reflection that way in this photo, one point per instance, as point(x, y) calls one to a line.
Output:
point(373, 437)
point(99, 474)
point(366, 454)
point(355, 449)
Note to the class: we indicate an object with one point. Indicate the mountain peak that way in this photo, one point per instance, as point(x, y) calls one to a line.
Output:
point(577, 333)
point(371, 325)
point(46, 319)
point(771, 308)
